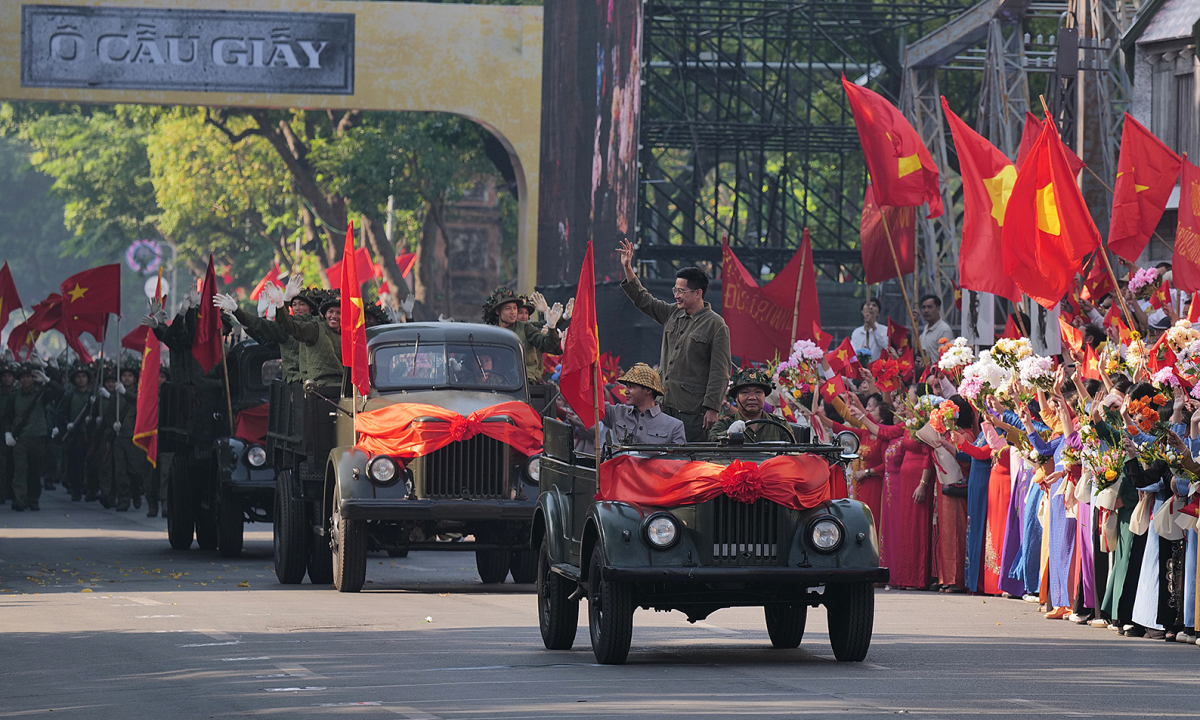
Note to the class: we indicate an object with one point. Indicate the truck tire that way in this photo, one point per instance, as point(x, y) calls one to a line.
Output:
point(523, 564)
point(558, 615)
point(785, 624)
point(492, 565)
point(290, 532)
point(230, 525)
point(851, 613)
point(610, 614)
point(320, 560)
point(206, 528)
point(180, 518)
point(349, 552)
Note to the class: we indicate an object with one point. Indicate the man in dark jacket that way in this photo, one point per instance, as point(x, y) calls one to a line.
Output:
point(27, 434)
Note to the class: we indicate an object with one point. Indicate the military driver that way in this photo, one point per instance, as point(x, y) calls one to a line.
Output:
point(748, 391)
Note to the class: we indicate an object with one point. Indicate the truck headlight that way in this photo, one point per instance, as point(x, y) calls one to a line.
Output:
point(383, 471)
point(661, 530)
point(850, 444)
point(825, 534)
point(256, 456)
point(533, 467)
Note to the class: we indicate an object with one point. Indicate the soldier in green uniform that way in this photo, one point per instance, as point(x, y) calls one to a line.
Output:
point(126, 468)
point(319, 337)
point(265, 332)
point(27, 434)
point(72, 428)
point(8, 387)
point(748, 391)
point(502, 309)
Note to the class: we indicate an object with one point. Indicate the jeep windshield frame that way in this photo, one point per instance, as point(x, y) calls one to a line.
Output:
point(438, 364)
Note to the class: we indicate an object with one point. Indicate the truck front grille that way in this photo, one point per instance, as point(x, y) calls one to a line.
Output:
point(745, 534)
point(475, 469)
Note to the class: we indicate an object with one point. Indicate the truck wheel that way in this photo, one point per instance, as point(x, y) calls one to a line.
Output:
point(558, 615)
point(206, 528)
point(349, 552)
point(180, 518)
point(230, 524)
point(785, 624)
point(492, 565)
point(851, 613)
point(290, 532)
point(523, 564)
point(320, 560)
point(610, 614)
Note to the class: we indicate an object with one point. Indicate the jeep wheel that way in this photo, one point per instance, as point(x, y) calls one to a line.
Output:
point(492, 565)
point(180, 517)
point(785, 624)
point(230, 524)
point(558, 615)
point(610, 614)
point(349, 543)
point(290, 531)
point(851, 613)
point(523, 564)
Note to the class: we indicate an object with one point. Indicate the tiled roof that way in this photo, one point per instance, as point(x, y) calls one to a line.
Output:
point(1174, 20)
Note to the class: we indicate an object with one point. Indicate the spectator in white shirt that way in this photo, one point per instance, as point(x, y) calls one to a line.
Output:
point(871, 336)
point(935, 327)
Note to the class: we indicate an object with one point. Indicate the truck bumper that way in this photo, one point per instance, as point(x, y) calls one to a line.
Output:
point(792, 575)
point(400, 510)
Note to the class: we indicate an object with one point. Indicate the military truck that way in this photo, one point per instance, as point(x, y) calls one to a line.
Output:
point(218, 479)
point(699, 557)
point(337, 500)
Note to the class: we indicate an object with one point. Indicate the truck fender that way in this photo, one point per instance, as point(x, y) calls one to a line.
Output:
point(346, 474)
point(605, 526)
point(548, 524)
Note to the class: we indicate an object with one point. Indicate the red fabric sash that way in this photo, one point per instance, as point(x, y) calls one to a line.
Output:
point(395, 429)
point(252, 424)
point(795, 481)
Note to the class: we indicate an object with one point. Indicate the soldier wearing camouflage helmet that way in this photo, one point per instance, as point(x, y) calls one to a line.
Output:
point(748, 390)
point(502, 308)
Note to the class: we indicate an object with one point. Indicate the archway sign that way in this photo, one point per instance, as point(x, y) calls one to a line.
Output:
point(481, 62)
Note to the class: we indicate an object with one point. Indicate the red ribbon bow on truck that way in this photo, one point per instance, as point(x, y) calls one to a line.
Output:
point(411, 429)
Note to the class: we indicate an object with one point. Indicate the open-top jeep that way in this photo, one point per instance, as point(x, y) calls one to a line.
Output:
point(441, 454)
point(697, 528)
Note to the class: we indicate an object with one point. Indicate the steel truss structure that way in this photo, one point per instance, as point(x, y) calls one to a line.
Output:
point(745, 131)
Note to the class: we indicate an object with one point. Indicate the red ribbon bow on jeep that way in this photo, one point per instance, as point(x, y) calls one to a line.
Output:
point(795, 481)
point(411, 429)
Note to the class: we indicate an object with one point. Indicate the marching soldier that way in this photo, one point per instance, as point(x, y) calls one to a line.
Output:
point(27, 433)
point(124, 468)
point(72, 428)
point(8, 387)
point(748, 391)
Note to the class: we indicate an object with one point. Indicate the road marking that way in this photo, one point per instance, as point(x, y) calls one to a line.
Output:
point(300, 671)
point(190, 645)
point(218, 635)
point(139, 601)
point(411, 713)
point(242, 659)
point(293, 689)
point(717, 628)
point(147, 617)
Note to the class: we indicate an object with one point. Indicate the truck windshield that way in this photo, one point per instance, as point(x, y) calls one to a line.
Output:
point(433, 365)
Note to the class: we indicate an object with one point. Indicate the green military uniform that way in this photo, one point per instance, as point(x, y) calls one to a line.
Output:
point(6, 396)
point(265, 332)
point(25, 418)
point(694, 361)
point(72, 410)
point(124, 475)
point(533, 341)
point(320, 347)
point(758, 432)
point(178, 338)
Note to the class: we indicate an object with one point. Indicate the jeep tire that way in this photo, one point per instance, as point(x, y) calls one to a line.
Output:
point(558, 615)
point(851, 613)
point(349, 546)
point(492, 565)
point(610, 614)
point(181, 518)
point(523, 565)
point(785, 624)
point(290, 531)
point(230, 525)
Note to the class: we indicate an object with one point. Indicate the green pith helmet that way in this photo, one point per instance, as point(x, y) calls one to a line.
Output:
point(491, 307)
point(748, 377)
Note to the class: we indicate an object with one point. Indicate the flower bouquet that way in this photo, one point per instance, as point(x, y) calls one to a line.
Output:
point(983, 378)
point(955, 358)
point(1181, 336)
point(1145, 417)
point(1107, 467)
point(1144, 283)
point(801, 371)
point(1009, 352)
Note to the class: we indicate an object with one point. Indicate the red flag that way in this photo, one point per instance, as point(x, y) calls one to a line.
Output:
point(1098, 282)
point(760, 319)
point(832, 388)
point(1160, 354)
point(898, 335)
point(878, 263)
point(1011, 331)
point(580, 381)
point(1071, 335)
point(988, 178)
point(46, 315)
point(354, 327)
point(1146, 172)
point(87, 299)
point(1162, 296)
point(362, 264)
point(1193, 315)
point(844, 361)
point(1029, 135)
point(207, 345)
point(1047, 229)
point(135, 339)
point(1185, 261)
point(821, 338)
point(145, 427)
point(10, 299)
point(272, 276)
point(900, 165)
point(1091, 364)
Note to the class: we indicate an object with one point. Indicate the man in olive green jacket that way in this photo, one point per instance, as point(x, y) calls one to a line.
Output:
point(501, 309)
point(319, 336)
point(28, 433)
point(694, 362)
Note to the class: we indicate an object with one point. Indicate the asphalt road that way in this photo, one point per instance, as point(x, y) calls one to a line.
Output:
point(100, 619)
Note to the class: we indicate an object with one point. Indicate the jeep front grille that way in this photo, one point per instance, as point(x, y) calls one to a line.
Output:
point(745, 534)
point(475, 469)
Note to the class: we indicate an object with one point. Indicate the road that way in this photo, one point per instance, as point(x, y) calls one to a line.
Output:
point(100, 619)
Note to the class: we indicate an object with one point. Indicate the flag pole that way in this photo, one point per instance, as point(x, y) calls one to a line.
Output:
point(799, 283)
point(228, 400)
point(912, 317)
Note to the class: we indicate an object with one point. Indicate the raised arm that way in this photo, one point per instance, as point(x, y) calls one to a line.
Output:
point(660, 310)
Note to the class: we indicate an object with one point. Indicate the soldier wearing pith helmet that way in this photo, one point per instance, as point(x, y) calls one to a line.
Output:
point(642, 421)
point(748, 390)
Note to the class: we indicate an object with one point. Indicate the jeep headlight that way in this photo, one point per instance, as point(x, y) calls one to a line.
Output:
point(533, 467)
point(850, 444)
point(826, 534)
point(256, 456)
point(662, 531)
point(383, 470)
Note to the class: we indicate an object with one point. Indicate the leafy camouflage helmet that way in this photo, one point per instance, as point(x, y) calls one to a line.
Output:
point(491, 307)
point(527, 302)
point(749, 377)
point(376, 315)
point(332, 299)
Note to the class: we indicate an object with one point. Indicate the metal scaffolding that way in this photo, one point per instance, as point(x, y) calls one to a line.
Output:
point(745, 129)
